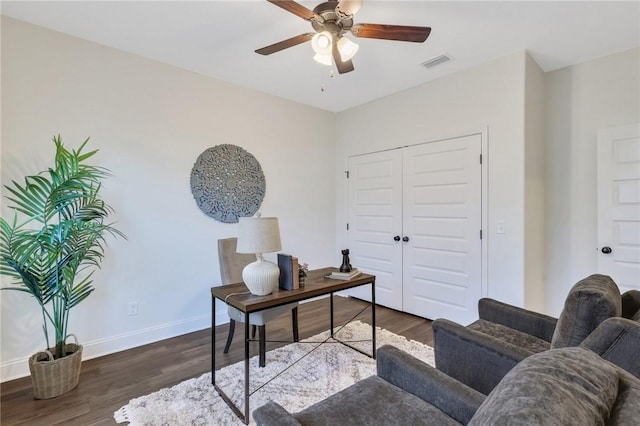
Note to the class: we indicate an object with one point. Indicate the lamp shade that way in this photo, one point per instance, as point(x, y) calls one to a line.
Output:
point(258, 235)
point(322, 59)
point(347, 48)
point(322, 43)
point(349, 7)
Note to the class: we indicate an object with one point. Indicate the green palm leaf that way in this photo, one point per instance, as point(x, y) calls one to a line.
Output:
point(44, 262)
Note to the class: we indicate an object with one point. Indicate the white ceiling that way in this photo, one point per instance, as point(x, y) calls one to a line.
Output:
point(218, 39)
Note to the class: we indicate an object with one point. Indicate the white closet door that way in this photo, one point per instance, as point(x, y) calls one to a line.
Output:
point(619, 205)
point(375, 218)
point(442, 221)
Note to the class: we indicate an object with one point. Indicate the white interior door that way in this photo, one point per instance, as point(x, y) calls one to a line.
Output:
point(619, 205)
point(442, 221)
point(375, 218)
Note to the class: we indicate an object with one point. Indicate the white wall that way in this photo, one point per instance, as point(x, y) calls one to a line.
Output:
point(150, 122)
point(534, 219)
point(541, 159)
point(579, 100)
point(491, 97)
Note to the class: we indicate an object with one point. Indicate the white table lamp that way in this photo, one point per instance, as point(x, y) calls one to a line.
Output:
point(259, 235)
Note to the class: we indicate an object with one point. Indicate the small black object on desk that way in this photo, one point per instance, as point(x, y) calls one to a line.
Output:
point(346, 264)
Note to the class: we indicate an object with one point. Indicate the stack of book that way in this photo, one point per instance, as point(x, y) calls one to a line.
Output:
point(289, 272)
point(344, 275)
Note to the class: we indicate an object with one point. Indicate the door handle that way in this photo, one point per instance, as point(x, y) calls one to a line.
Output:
point(606, 250)
point(396, 238)
point(405, 239)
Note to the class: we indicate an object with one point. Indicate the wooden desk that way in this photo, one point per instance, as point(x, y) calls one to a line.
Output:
point(238, 296)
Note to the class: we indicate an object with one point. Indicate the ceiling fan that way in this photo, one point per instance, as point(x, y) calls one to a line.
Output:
point(331, 20)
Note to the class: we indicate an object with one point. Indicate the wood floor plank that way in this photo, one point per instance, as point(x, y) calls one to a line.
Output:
point(109, 382)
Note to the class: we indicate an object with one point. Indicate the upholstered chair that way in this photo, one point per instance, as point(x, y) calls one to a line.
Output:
point(482, 353)
point(631, 305)
point(618, 341)
point(565, 386)
point(231, 265)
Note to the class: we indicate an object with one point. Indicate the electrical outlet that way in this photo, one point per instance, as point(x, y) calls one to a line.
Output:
point(133, 308)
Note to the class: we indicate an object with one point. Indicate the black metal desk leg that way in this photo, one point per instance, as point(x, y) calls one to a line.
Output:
point(246, 368)
point(331, 310)
point(213, 340)
point(373, 317)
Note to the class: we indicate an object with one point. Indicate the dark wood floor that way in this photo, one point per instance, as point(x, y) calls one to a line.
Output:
point(109, 382)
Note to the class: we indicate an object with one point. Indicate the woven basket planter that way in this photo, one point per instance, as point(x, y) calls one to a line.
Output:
point(53, 377)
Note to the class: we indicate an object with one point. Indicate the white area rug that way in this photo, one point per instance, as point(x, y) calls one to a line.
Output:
point(327, 369)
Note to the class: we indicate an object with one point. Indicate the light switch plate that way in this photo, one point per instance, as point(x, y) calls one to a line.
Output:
point(500, 227)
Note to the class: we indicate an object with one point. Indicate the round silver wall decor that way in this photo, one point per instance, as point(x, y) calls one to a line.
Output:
point(227, 183)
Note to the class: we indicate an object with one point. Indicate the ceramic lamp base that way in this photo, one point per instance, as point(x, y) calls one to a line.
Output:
point(261, 277)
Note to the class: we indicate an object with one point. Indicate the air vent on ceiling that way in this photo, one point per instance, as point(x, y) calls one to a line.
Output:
point(436, 60)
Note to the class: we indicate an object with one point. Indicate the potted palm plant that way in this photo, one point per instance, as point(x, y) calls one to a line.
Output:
point(51, 248)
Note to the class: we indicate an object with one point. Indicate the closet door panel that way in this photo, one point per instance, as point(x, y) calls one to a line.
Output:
point(375, 218)
point(442, 221)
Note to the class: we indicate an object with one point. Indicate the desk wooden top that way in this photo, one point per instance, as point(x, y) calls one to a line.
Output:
point(238, 296)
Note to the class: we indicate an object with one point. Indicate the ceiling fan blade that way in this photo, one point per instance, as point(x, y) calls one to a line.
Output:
point(343, 66)
point(295, 8)
point(284, 44)
point(391, 32)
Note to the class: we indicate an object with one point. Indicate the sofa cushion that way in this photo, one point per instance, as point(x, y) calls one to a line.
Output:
point(511, 336)
point(627, 407)
point(373, 401)
point(590, 301)
point(557, 387)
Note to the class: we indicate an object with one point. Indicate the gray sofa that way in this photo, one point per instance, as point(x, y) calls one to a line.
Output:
point(567, 386)
point(481, 353)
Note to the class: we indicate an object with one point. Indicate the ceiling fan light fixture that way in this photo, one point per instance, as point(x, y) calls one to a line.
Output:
point(347, 48)
point(322, 59)
point(321, 43)
point(347, 8)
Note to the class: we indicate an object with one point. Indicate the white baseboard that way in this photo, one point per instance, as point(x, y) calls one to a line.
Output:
point(17, 368)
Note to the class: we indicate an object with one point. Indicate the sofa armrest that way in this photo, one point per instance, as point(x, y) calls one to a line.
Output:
point(476, 359)
point(631, 304)
point(455, 399)
point(617, 340)
point(533, 323)
point(274, 414)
